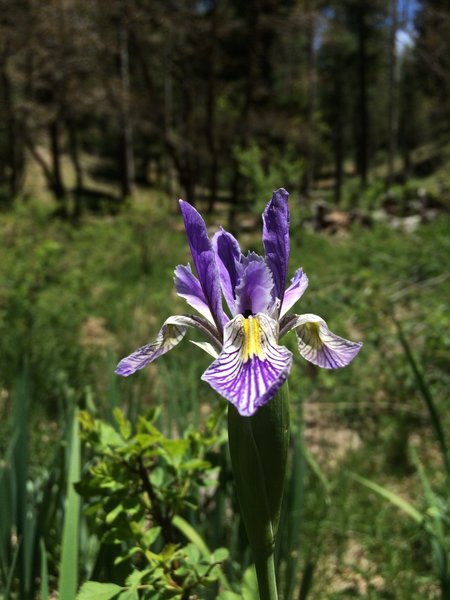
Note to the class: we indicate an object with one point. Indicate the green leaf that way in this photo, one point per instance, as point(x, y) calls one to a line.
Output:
point(129, 595)
point(44, 571)
point(124, 425)
point(393, 498)
point(68, 582)
point(219, 555)
point(93, 590)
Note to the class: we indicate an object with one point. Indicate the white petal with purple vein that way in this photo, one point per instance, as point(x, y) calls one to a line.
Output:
point(252, 366)
point(170, 334)
point(319, 345)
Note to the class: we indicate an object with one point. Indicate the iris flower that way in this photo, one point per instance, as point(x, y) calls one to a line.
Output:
point(250, 365)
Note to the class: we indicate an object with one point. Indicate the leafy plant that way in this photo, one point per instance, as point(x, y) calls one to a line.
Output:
point(136, 487)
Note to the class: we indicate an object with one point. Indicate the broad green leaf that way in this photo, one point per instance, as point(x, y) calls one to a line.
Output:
point(128, 595)
point(93, 590)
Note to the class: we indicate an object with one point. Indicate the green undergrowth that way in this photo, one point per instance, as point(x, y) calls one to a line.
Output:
point(74, 300)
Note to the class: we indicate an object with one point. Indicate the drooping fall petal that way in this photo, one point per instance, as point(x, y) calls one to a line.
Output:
point(170, 334)
point(319, 345)
point(252, 366)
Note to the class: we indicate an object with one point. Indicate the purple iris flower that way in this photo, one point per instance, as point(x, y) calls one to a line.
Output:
point(250, 366)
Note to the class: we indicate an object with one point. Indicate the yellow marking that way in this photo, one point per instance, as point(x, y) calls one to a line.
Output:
point(311, 335)
point(252, 339)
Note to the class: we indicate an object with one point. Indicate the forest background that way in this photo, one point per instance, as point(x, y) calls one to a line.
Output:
point(109, 112)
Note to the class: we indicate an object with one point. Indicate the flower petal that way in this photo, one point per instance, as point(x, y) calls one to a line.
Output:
point(228, 253)
point(168, 337)
point(189, 288)
point(252, 366)
point(206, 347)
point(170, 334)
point(276, 239)
point(319, 345)
point(254, 293)
point(204, 261)
point(295, 291)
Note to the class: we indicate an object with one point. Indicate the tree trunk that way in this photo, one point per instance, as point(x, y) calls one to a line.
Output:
point(14, 162)
point(211, 110)
point(393, 94)
point(58, 188)
point(312, 102)
point(362, 113)
point(338, 135)
point(75, 158)
point(126, 157)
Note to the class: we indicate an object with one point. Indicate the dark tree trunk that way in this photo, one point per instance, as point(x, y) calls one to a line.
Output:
point(126, 157)
point(211, 110)
point(57, 187)
point(312, 101)
point(393, 94)
point(362, 112)
point(338, 136)
point(14, 155)
point(75, 158)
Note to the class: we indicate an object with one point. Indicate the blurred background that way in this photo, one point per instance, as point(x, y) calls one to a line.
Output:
point(112, 110)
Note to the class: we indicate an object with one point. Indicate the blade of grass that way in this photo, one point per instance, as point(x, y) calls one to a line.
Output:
point(43, 590)
point(68, 581)
point(12, 568)
point(393, 498)
point(7, 523)
point(428, 398)
point(19, 474)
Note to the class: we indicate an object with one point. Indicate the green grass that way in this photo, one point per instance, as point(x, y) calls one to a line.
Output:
point(75, 300)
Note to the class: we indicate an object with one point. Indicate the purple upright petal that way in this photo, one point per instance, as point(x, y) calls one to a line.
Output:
point(251, 367)
point(319, 345)
point(295, 291)
point(228, 253)
point(189, 288)
point(204, 261)
point(276, 239)
point(254, 293)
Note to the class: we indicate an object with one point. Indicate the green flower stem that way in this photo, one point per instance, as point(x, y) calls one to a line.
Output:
point(265, 572)
point(258, 450)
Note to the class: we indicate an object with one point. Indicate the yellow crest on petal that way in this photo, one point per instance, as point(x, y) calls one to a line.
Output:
point(252, 339)
point(311, 335)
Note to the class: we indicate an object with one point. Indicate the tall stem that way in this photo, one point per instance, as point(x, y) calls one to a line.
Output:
point(265, 572)
point(258, 451)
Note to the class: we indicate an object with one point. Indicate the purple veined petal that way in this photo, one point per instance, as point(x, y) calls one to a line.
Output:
point(189, 288)
point(319, 345)
point(251, 367)
point(206, 347)
point(170, 334)
point(204, 261)
point(254, 293)
point(276, 239)
point(228, 253)
point(295, 291)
